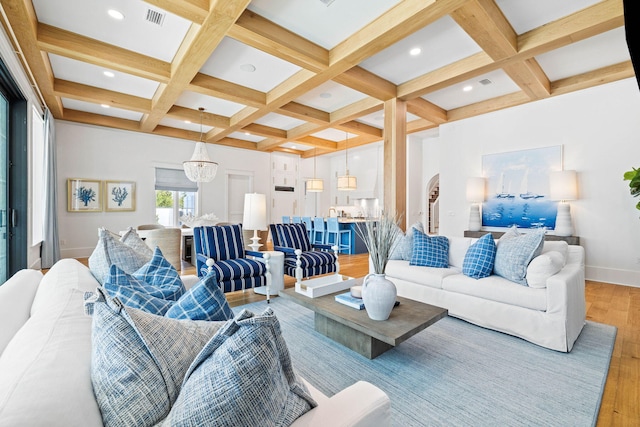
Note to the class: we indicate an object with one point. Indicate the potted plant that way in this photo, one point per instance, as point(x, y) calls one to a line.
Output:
point(378, 293)
point(633, 177)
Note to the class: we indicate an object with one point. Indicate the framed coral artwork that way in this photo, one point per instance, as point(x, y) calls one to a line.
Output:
point(120, 196)
point(84, 195)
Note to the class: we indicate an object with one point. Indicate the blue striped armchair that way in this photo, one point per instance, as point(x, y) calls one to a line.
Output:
point(221, 249)
point(301, 258)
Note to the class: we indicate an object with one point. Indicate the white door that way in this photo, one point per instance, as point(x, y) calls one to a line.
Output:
point(238, 184)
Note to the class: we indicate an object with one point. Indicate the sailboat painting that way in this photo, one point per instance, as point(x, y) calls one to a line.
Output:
point(518, 188)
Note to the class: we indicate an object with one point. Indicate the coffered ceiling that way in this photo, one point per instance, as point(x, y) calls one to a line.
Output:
point(291, 75)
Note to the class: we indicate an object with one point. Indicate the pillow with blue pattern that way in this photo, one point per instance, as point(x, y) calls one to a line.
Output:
point(258, 385)
point(153, 288)
point(514, 253)
point(204, 301)
point(429, 251)
point(480, 258)
point(139, 360)
point(110, 251)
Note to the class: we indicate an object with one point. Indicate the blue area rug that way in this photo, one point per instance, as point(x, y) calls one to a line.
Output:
point(457, 374)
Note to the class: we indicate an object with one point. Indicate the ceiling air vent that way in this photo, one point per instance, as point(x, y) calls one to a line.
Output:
point(155, 17)
point(327, 2)
point(485, 82)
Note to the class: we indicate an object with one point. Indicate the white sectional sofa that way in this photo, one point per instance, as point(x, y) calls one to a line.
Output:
point(551, 316)
point(45, 357)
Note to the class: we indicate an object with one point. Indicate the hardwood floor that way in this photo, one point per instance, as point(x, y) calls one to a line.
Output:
point(606, 303)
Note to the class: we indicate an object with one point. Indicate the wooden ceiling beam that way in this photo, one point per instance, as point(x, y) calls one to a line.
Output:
point(266, 131)
point(23, 23)
point(193, 10)
point(427, 110)
point(256, 31)
point(81, 48)
point(100, 120)
point(357, 78)
point(199, 43)
point(494, 104)
point(419, 125)
point(360, 128)
point(357, 109)
point(601, 76)
point(80, 92)
point(218, 88)
point(304, 112)
point(209, 119)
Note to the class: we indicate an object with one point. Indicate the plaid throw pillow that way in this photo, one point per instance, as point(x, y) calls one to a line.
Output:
point(204, 301)
point(139, 360)
point(429, 251)
point(480, 257)
point(257, 387)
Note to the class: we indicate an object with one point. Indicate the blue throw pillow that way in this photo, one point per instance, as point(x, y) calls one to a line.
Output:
point(139, 360)
point(242, 377)
point(429, 251)
point(204, 301)
point(480, 258)
point(110, 251)
point(515, 252)
point(153, 288)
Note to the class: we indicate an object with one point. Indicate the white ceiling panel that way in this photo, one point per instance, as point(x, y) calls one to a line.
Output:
point(525, 15)
point(279, 121)
point(297, 146)
point(93, 75)
point(246, 137)
point(211, 105)
point(90, 19)
point(590, 54)
point(441, 43)
point(455, 96)
point(377, 119)
point(88, 107)
point(330, 96)
point(233, 61)
point(334, 134)
point(324, 25)
point(181, 124)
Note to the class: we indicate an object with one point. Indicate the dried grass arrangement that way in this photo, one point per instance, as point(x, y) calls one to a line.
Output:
point(380, 238)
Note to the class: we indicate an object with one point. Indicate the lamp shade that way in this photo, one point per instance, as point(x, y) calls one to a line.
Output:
point(347, 182)
point(475, 189)
point(315, 185)
point(255, 212)
point(563, 185)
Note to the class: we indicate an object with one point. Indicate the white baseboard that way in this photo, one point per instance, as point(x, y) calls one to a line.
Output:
point(615, 276)
point(76, 252)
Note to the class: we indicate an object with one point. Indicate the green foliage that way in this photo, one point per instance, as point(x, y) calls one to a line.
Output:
point(164, 199)
point(633, 177)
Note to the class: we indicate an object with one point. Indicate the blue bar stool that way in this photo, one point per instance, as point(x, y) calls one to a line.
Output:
point(286, 219)
point(306, 220)
point(334, 236)
point(318, 231)
point(296, 220)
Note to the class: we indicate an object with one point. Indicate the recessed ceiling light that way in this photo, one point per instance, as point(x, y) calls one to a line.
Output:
point(415, 51)
point(293, 147)
point(249, 68)
point(109, 73)
point(115, 14)
point(187, 121)
point(247, 133)
point(467, 88)
point(105, 106)
point(325, 95)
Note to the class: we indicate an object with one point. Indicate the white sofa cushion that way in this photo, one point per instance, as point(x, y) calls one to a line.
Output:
point(427, 276)
point(16, 297)
point(44, 371)
point(499, 289)
point(542, 267)
point(458, 247)
point(559, 246)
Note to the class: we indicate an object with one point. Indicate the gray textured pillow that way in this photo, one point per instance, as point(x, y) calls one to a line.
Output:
point(257, 386)
point(139, 360)
point(514, 253)
point(135, 242)
point(403, 246)
point(110, 251)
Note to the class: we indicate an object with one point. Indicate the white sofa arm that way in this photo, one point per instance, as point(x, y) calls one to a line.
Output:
point(16, 297)
point(359, 405)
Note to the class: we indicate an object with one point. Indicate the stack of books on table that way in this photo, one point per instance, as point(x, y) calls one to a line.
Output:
point(352, 302)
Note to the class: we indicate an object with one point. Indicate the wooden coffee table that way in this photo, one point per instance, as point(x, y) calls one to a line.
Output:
point(353, 328)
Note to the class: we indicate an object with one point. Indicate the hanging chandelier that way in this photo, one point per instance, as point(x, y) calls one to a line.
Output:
point(200, 168)
point(315, 185)
point(347, 182)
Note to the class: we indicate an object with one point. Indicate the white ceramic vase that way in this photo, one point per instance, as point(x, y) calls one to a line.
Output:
point(378, 295)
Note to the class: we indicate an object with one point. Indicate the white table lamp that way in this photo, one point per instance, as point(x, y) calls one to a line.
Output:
point(475, 195)
point(255, 216)
point(563, 187)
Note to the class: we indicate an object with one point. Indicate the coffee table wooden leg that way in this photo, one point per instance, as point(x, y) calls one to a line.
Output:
point(357, 341)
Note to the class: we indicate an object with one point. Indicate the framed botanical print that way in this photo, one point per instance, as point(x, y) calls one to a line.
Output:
point(84, 195)
point(120, 196)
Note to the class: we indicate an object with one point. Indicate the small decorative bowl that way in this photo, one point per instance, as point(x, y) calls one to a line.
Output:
point(356, 291)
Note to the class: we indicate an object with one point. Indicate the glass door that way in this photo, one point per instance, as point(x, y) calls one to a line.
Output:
point(4, 139)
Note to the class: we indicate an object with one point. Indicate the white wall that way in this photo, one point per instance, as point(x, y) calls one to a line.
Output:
point(599, 129)
point(108, 154)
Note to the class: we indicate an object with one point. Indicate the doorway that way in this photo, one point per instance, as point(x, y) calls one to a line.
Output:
point(239, 183)
point(433, 205)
